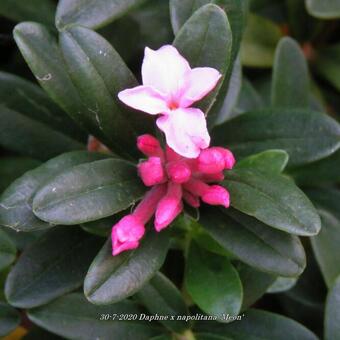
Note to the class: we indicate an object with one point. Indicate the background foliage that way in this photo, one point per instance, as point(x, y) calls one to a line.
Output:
point(273, 258)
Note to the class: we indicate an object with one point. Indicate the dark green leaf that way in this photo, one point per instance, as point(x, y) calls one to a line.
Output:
point(32, 10)
point(213, 282)
point(326, 243)
point(205, 41)
point(16, 201)
point(53, 265)
point(260, 324)
point(27, 136)
point(209, 336)
point(92, 14)
point(273, 199)
point(99, 74)
point(88, 192)
point(14, 167)
point(7, 250)
point(31, 101)
point(325, 9)
point(259, 41)
point(113, 278)
point(306, 135)
point(22, 239)
point(254, 243)
point(73, 317)
point(332, 316)
point(270, 161)
point(9, 319)
point(290, 84)
point(160, 296)
point(39, 333)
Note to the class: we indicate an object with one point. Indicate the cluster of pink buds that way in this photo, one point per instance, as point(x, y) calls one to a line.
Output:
point(172, 178)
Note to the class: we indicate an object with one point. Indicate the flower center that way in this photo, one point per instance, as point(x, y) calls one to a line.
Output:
point(173, 105)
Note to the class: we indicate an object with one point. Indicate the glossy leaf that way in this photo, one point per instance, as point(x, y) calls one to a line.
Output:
point(92, 14)
point(326, 243)
point(16, 201)
point(14, 167)
point(9, 319)
point(71, 316)
point(273, 199)
point(160, 296)
point(206, 41)
point(7, 250)
point(254, 243)
point(41, 52)
point(212, 282)
point(259, 41)
point(325, 9)
point(19, 10)
point(31, 101)
point(88, 192)
point(99, 73)
point(113, 278)
point(307, 136)
point(270, 161)
point(53, 265)
point(332, 316)
point(290, 84)
point(260, 324)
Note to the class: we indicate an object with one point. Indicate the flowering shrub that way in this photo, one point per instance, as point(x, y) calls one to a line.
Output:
point(169, 169)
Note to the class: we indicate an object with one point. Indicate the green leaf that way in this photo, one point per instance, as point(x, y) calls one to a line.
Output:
point(332, 316)
point(254, 283)
point(88, 192)
point(22, 239)
point(327, 64)
point(14, 167)
point(113, 278)
point(9, 319)
point(254, 243)
point(33, 10)
point(325, 9)
point(92, 14)
point(29, 137)
point(260, 324)
point(99, 74)
point(326, 243)
point(7, 250)
point(307, 136)
point(41, 52)
point(272, 199)
point(290, 83)
point(324, 171)
point(160, 296)
point(53, 265)
point(212, 282)
point(205, 41)
point(71, 316)
point(31, 101)
point(270, 161)
point(282, 284)
point(259, 41)
point(16, 201)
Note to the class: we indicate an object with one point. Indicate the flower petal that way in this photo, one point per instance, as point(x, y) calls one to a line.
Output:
point(185, 131)
point(144, 98)
point(199, 82)
point(164, 69)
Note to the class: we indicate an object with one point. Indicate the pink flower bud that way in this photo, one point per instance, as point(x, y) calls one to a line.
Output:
point(211, 178)
point(149, 145)
point(151, 171)
point(191, 199)
point(126, 234)
point(211, 161)
point(169, 206)
point(229, 159)
point(216, 195)
point(179, 172)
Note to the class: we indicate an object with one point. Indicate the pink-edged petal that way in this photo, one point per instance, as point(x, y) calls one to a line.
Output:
point(199, 82)
point(164, 69)
point(144, 98)
point(185, 131)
